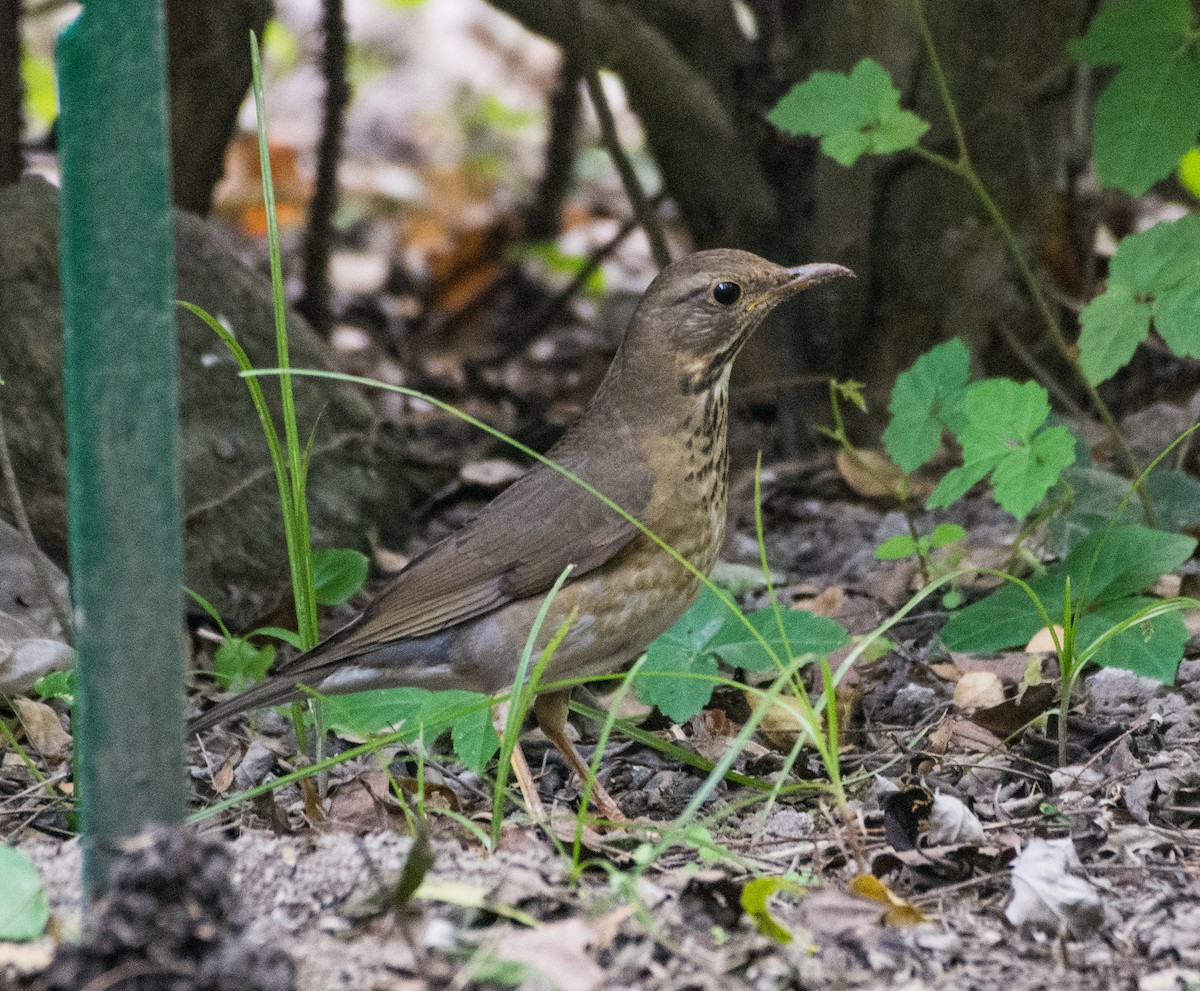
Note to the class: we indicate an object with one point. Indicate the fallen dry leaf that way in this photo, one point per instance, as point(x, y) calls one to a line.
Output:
point(978, 690)
point(1042, 642)
point(1050, 893)
point(950, 821)
point(899, 912)
point(870, 473)
point(560, 951)
point(43, 727)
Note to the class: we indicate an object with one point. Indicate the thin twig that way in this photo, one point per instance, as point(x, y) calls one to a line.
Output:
point(41, 574)
point(315, 304)
point(608, 133)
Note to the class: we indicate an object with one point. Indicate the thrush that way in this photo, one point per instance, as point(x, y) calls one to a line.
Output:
point(654, 441)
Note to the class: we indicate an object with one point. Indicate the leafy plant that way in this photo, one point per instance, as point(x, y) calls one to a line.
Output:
point(859, 113)
point(24, 908)
point(902, 545)
point(1148, 115)
point(1153, 278)
point(57, 685)
point(679, 673)
point(1004, 436)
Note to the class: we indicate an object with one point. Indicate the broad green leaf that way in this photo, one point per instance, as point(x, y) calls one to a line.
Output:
point(24, 908)
point(1146, 119)
point(475, 740)
point(1112, 326)
point(1152, 648)
point(1111, 564)
point(421, 713)
point(1023, 478)
point(806, 633)
point(338, 574)
point(957, 482)
point(1177, 314)
point(1107, 569)
point(1134, 31)
point(238, 663)
point(945, 534)
point(1153, 274)
point(927, 399)
point(1002, 436)
point(895, 548)
point(57, 685)
point(1004, 619)
point(1148, 116)
point(1174, 494)
point(853, 114)
point(676, 675)
point(677, 681)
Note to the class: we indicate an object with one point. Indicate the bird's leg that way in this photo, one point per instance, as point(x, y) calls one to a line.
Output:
point(520, 766)
point(550, 708)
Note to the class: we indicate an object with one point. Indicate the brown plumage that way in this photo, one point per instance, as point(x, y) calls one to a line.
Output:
point(654, 441)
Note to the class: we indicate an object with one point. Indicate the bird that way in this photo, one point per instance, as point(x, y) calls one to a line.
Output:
point(654, 440)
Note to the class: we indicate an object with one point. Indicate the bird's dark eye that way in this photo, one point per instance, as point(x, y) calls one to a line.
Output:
point(727, 293)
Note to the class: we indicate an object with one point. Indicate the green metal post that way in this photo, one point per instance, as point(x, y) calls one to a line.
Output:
point(122, 425)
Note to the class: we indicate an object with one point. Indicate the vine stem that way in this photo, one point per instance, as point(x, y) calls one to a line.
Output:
point(608, 133)
point(965, 170)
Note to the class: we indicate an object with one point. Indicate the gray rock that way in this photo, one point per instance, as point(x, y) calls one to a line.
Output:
point(235, 548)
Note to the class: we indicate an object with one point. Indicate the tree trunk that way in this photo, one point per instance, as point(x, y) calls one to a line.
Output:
point(209, 50)
point(10, 91)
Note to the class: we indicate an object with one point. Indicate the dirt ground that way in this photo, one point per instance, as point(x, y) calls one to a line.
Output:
point(969, 859)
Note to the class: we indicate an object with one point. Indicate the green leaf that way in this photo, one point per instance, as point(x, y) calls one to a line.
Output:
point(1134, 31)
point(756, 898)
point(421, 713)
point(895, 548)
point(957, 482)
point(1123, 561)
point(475, 740)
point(238, 663)
point(806, 633)
point(1148, 116)
point(1146, 120)
point(338, 574)
point(24, 908)
point(945, 534)
point(57, 685)
point(290, 637)
point(927, 399)
point(853, 114)
point(1112, 326)
point(1023, 478)
point(1155, 274)
point(1152, 648)
point(676, 679)
point(675, 675)
point(1107, 569)
point(1002, 436)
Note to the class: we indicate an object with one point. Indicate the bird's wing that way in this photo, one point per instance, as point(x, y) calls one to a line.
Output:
point(516, 548)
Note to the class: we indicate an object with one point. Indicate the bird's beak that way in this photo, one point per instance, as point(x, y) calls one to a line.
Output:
point(800, 278)
point(803, 276)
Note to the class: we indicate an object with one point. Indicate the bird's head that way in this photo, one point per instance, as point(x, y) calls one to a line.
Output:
point(701, 309)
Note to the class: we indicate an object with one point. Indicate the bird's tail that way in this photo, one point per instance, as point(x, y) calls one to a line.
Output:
point(275, 690)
